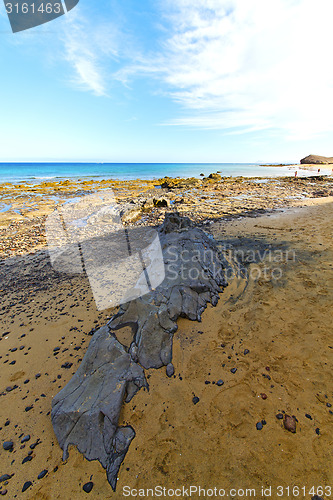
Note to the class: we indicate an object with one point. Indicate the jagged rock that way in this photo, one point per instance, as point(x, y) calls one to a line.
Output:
point(316, 160)
point(171, 183)
point(161, 202)
point(215, 177)
point(86, 412)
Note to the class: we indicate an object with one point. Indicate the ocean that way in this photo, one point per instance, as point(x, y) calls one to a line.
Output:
point(38, 172)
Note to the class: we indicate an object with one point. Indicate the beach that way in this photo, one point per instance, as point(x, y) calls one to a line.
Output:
point(267, 342)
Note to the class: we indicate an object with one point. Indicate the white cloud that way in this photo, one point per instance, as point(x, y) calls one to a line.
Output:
point(87, 47)
point(247, 64)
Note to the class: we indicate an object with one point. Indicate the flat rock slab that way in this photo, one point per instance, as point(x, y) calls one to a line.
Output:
point(86, 412)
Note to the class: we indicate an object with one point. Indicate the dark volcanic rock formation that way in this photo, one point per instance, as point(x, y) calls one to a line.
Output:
point(86, 412)
point(316, 160)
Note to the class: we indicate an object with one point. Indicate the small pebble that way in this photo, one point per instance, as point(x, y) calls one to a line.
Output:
point(289, 424)
point(316, 497)
point(279, 416)
point(25, 439)
point(26, 459)
point(5, 477)
point(195, 400)
point(26, 485)
point(170, 370)
point(220, 382)
point(264, 422)
point(246, 351)
point(8, 445)
point(3, 492)
point(233, 370)
point(259, 426)
point(88, 487)
point(318, 431)
point(263, 395)
point(42, 474)
point(28, 408)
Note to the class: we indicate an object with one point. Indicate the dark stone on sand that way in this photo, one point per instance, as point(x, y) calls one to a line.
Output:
point(27, 459)
point(328, 405)
point(26, 485)
point(8, 445)
point(259, 426)
point(3, 492)
point(28, 408)
point(42, 474)
point(318, 431)
point(264, 422)
point(37, 375)
point(4, 477)
point(289, 424)
point(195, 400)
point(316, 497)
point(220, 382)
point(246, 351)
point(67, 365)
point(86, 412)
point(7, 423)
point(233, 370)
point(170, 370)
point(25, 439)
point(308, 416)
point(88, 487)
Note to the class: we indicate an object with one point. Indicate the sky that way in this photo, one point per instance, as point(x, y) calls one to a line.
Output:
point(170, 81)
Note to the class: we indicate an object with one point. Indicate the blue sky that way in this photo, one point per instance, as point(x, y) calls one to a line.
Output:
point(170, 81)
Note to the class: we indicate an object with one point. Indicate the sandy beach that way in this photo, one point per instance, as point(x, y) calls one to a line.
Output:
point(268, 343)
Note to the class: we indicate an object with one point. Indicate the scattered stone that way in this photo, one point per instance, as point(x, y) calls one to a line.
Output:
point(37, 375)
point(308, 416)
point(263, 395)
point(28, 408)
point(318, 431)
point(259, 426)
point(26, 485)
point(289, 424)
point(264, 422)
point(220, 382)
point(7, 422)
point(279, 416)
point(246, 351)
point(88, 487)
point(25, 439)
point(196, 400)
point(316, 497)
point(8, 445)
point(26, 459)
point(3, 492)
point(42, 474)
point(170, 370)
point(67, 365)
point(233, 370)
point(4, 477)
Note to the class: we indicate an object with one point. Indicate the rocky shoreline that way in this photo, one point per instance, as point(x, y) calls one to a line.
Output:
point(24, 209)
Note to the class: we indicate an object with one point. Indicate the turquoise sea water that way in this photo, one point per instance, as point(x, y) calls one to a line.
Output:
point(37, 172)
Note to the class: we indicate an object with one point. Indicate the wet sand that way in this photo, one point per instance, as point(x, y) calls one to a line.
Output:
point(284, 323)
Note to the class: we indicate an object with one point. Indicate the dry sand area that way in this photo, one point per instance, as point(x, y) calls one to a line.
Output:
point(269, 340)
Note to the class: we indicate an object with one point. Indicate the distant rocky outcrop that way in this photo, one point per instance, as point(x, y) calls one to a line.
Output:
point(316, 160)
